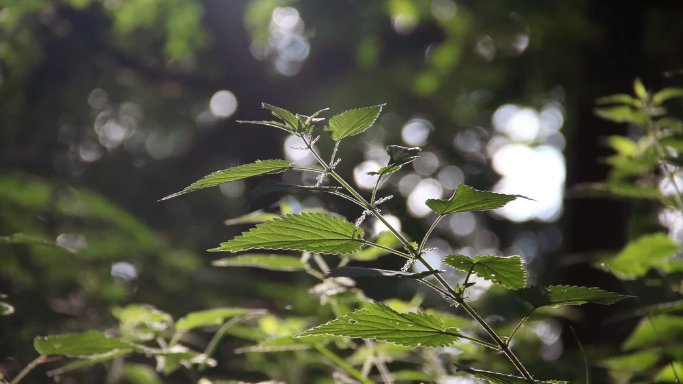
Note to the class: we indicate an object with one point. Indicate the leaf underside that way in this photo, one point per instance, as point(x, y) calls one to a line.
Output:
point(376, 272)
point(257, 168)
point(353, 121)
point(314, 232)
point(502, 378)
point(263, 261)
point(509, 272)
point(556, 295)
point(466, 198)
point(378, 321)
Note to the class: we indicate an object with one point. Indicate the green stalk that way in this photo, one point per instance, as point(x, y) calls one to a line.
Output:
point(216, 339)
point(390, 250)
point(341, 363)
point(429, 233)
point(27, 369)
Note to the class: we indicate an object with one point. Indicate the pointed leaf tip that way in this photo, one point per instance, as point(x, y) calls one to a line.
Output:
point(510, 272)
point(353, 121)
point(466, 198)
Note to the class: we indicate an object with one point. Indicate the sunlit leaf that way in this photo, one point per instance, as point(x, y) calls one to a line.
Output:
point(556, 295)
point(656, 330)
point(269, 261)
point(639, 89)
point(354, 272)
point(140, 374)
point(386, 239)
point(315, 232)
point(621, 114)
point(466, 198)
point(510, 272)
point(22, 238)
point(671, 373)
point(667, 94)
point(287, 117)
point(212, 317)
point(378, 321)
point(283, 344)
point(257, 168)
point(79, 344)
point(6, 309)
point(620, 98)
point(648, 251)
point(626, 365)
point(353, 121)
point(398, 157)
point(502, 378)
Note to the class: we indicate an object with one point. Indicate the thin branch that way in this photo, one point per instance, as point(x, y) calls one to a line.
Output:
point(429, 233)
point(390, 250)
point(518, 326)
point(27, 369)
point(341, 363)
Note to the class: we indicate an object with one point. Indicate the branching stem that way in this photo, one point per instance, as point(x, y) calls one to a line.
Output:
point(27, 369)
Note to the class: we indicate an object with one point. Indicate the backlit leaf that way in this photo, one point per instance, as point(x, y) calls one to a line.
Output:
point(509, 272)
point(648, 251)
point(502, 378)
point(620, 98)
point(353, 121)
point(252, 218)
point(141, 321)
point(466, 198)
point(287, 117)
point(639, 89)
point(621, 114)
point(671, 373)
point(398, 157)
point(272, 262)
point(386, 239)
point(257, 168)
point(212, 317)
point(378, 321)
point(556, 295)
point(666, 94)
point(354, 272)
point(656, 330)
point(314, 232)
point(79, 344)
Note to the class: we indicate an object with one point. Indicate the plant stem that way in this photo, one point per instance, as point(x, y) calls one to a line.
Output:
point(378, 361)
point(36, 362)
point(341, 363)
point(216, 339)
point(651, 130)
point(429, 233)
point(374, 190)
point(390, 250)
point(518, 326)
point(417, 256)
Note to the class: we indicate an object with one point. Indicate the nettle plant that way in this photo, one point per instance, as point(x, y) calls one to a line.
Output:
point(646, 167)
point(394, 334)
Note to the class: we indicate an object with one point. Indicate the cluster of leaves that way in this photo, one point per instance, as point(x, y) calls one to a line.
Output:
point(392, 332)
point(646, 167)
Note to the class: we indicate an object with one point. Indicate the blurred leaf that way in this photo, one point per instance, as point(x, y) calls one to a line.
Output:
point(556, 295)
point(283, 344)
point(80, 344)
point(181, 356)
point(466, 199)
point(270, 261)
point(675, 142)
point(639, 89)
point(386, 239)
point(87, 362)
point(648, 251)
point(510, 272)
point(257, 168)
point(656, 330)
point(6, 309)
point(666, 94)
point(376, 272)
point(142, 322)
point(671, 373)
point(622, 145)
point(21, 238)
point(252, 218)
point(378, 321)
point(626, 365)
point(655, 309)
point(621, 114)
point(353, 122)
point(398, 157)
point(140, 374)
point(314, 232)
point(620, 98)
point(502, 378)
point(213, 317)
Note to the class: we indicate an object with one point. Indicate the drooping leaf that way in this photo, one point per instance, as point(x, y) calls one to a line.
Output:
point(648, 251)
point(556, 295)
point(80, 344)
point(667, 94)
point(213, 317)
point(353, 121)
point(502, 378)
point(376, 272)
point(466, 198)
point(398, 157)
point(271, 262)
point(378, 321)
point(257, 168)
point(386, 239)
point(656, 330)
point(510, 272)
point(314, 232)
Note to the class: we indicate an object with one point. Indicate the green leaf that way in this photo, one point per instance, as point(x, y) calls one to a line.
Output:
point(386, 239)
point(671, 373)
point(268, 123)
point(667, 94)
point(353, 121)
point(378, 321)
point(21, 238)
point(632, 363)
point(314, 232)
point(510, 272)
point(283, 344)
point(142, 322)
point(648, 251)
point(466, 198)
point(213, 317)
point(257, 168)
point(639, 89)
point(140, 374)
point(252, 218)
point(620, 98)
point(271, 262)
point(621, 114)
point(556, 295)
point(87, 362)
point(502, 378)
point(287, 117)
point(398, 157)
point(79, 344)
point(656, 330)
point(354, 272)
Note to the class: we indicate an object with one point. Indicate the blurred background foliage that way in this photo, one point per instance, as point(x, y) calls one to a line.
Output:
point(108, 105)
